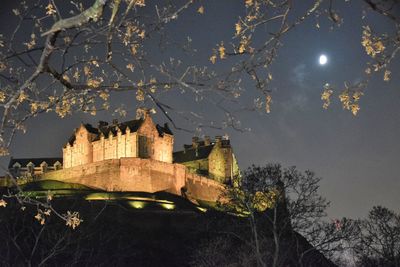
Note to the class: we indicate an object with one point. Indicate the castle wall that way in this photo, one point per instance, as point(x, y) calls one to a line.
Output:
point(201, 188)
point(125, 174)
point(114, 147)
point(97, 175)
point(148, 175)
point(67, 156)
point(163, 148)
point(136, 174)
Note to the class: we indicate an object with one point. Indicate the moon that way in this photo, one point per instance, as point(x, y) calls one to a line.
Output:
point(323, 59)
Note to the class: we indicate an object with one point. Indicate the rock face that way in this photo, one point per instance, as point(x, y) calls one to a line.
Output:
point(142, 175)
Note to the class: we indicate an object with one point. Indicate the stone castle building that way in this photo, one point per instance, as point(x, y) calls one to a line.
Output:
point(214, 159)
point(137, 155)
point(139, 138)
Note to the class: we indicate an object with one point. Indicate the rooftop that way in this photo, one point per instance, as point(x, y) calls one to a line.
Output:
point(199, 149)
point(106, 129)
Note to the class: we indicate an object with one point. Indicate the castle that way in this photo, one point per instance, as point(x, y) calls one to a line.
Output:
point(137, 155)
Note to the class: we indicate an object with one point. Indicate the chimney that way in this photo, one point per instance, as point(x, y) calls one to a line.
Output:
point(218, 140)
point(102, 124)
point(207, 140)
point(115, 122)
point(146, 113)
point(195, 141)
point(143, 113)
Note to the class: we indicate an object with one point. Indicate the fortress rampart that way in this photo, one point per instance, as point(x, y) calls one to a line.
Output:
point(137, 174)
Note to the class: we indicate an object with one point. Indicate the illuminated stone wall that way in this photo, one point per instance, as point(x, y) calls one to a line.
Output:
point(222, 164)
point(81, 152)
point(202, 188)
point(158, 147)
point(115, 147)
point(87, 150)
point(141, 175)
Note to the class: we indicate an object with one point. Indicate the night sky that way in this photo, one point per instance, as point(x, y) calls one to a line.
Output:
point(357, 157)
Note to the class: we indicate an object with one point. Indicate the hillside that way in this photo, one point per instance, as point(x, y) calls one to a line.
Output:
point(131, 229)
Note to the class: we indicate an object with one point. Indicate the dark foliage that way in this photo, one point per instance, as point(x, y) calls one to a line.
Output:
point(113, 234)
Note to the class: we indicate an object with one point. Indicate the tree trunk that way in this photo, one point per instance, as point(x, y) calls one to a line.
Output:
point(276, 238)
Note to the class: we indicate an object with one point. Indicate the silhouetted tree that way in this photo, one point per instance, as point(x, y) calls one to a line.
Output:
point(379, 239)
point(282, 205)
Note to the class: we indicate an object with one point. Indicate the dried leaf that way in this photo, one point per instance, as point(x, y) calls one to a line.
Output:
point(200, 10)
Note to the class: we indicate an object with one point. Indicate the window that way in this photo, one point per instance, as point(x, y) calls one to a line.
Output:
point(143, 147)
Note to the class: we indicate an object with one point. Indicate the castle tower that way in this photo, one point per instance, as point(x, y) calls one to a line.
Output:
point(221, 161)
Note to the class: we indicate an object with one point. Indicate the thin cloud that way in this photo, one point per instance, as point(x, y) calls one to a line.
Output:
point(299, 75)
